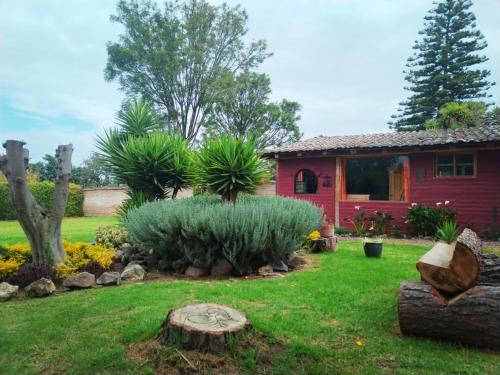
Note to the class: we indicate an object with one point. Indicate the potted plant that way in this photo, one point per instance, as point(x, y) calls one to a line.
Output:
point(380, 222)
point(373, 247)
point(327, 228)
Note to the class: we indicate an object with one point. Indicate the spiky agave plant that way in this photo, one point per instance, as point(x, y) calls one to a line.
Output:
point(448, 231)
point(228, 166)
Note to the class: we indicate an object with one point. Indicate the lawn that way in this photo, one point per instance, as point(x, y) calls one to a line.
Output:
point(318, 314)
point(73, 229)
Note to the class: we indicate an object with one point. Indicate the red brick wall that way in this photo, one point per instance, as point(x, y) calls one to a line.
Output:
point(325, 197)
point(473, 198)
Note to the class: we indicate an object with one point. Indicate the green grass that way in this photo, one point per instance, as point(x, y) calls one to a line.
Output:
point(318, 314)
point(73, 229)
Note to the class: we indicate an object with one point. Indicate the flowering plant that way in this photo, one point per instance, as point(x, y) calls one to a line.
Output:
point(425, 220)
point(358, 222)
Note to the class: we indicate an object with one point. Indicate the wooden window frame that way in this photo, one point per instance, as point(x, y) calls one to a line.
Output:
point(454, 154)
point(341, 180)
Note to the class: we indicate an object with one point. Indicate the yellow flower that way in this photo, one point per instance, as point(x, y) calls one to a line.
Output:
point(8, 266)
point(20, 252)
point(314, 235)
point(359, 343)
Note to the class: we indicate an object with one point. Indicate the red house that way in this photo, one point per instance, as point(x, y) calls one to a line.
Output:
point(389, 171)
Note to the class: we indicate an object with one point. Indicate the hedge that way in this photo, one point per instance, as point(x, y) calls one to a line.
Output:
point(202, 230)
point(43, 192)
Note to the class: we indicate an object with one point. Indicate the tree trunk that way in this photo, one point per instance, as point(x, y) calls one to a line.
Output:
point(490, 269)
point(323, 244)
point(455, 267)
point(472, 317)
point(206, 326)
point(42, 227)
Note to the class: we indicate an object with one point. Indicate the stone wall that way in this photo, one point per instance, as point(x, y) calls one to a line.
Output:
point(105, 201)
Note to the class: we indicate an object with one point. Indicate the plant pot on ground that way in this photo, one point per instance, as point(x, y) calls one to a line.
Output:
point(327, 228)
point(373, 247)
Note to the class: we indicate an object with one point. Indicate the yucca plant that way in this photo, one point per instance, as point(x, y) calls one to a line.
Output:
point(228, 166)
point(147, 160)
point(448, 231)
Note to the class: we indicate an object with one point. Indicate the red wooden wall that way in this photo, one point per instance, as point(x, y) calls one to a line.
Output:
point(473, 198)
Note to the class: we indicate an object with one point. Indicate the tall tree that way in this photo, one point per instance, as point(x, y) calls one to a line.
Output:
point(459, 115)
point(42, 227)
point(244, 111)
point(174, 57)
point(46, 169)
point(444, 67)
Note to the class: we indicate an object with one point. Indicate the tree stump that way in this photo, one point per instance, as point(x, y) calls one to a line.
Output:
point(206, 326)
point(323, 244)
point(453, 268)
point(472, 317)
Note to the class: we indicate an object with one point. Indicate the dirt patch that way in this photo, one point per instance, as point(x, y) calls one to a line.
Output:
point(252, 354)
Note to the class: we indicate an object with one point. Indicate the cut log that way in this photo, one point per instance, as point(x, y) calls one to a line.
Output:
point(455, 267)
point(490, 269)
point(206, 326)
point(323, 244)
point(472, 317)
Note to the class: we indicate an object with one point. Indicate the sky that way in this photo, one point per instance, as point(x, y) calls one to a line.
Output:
point(342, 60)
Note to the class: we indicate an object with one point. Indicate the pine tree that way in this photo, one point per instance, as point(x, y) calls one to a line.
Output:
point(443, 66)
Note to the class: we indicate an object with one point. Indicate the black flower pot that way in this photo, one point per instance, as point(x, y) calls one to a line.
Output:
point(373, 249)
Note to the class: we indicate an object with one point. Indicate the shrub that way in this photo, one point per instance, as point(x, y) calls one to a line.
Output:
point(111, 236)
point(425, 220)
point(12, 257)
point(448, 232)
point(94, 268)
point(255, 231)
point(28, 273)
point(341, 231)
point(227, 166)
point(79, 254)
point(380, 222)
point(44, 193)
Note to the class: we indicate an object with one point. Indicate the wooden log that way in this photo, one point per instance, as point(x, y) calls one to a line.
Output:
point(323, 244)
point(490, 269)
point(455, 267)
point(206, 326)
point(472, 317)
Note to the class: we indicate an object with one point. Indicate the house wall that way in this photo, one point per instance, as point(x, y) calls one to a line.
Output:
point(473, 198)
point(325, 197)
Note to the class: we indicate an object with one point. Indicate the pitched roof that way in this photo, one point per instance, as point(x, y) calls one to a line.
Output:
point(420, 138)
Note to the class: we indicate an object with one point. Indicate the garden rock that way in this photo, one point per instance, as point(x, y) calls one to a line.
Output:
point(221, 268)
point(141, 263)
point(109, 278)
point(133, 272)
point(7, 291)
point(265, 270)
point(179, 265)
point(279, 266)
point(195, 272)
point(126, 250)
point(80, 281)
point(40, 288)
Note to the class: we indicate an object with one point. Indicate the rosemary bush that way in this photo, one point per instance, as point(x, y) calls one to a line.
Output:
point(201, 229)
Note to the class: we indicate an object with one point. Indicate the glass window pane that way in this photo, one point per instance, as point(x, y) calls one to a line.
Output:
point(464, 158)
point(306, 182)
point(465, 170)
point(445, 159)
point(444, 171)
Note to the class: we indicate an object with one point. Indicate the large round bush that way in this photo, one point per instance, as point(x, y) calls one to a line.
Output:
point(202, 230)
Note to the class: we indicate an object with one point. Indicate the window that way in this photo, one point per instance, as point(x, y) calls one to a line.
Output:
point(455, 165)
point(306, 182)
point(376, 178)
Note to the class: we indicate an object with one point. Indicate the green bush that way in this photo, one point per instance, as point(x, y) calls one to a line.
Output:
point(202, 230)
point(111, 236)
point(426, 220)
point(43, 192)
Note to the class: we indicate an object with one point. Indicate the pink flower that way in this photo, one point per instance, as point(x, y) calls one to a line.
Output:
point(413, 204)
point(371, 228)
point(357, 207)
point(446, 203)
point(439, 204)
point(375, 212)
